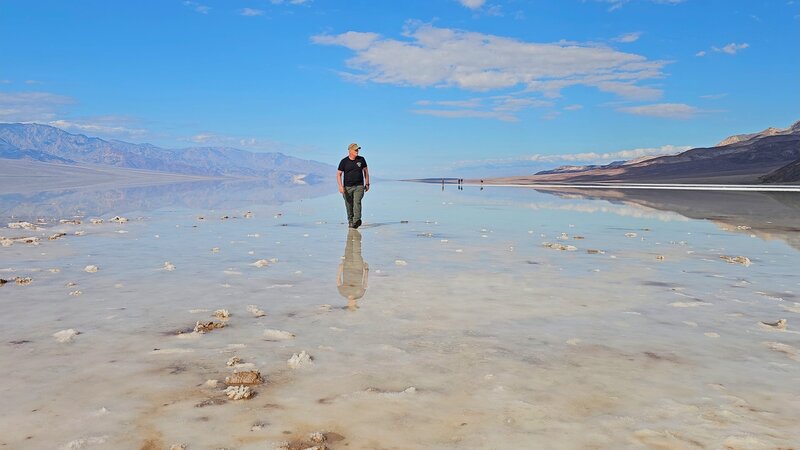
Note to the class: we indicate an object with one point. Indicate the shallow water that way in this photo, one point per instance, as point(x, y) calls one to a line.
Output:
point(468, 333)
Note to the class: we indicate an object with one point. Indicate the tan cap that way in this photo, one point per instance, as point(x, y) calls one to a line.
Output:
point(353, 146)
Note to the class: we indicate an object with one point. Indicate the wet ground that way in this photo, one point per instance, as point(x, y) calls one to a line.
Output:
point(451, 319)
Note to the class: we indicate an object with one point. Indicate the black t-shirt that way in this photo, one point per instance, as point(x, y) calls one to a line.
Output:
point(353, 170)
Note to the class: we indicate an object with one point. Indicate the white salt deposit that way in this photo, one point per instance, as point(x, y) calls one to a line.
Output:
point(238, 392)
point(256, 311)
point(233, 360)
point(299, 360)
point(222, 314)
point(743, 260)
point(65, 336)
point(786, 349)
point(79, 444)
point(90, 269)
point(277, 335)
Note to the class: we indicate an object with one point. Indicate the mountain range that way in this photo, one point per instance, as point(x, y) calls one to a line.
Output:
point(770, 156)
point(47, 144)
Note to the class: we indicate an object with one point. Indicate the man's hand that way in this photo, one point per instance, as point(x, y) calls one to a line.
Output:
point(366, 187)
point(341, 189)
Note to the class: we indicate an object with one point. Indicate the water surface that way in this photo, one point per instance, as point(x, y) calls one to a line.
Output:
point(444, 322)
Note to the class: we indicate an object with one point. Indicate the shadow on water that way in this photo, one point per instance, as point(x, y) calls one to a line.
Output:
point(768, 215)
point(353, 274)
point(224, 194)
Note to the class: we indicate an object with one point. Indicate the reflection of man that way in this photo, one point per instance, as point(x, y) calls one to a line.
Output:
point(353, 271)
point(353, 180)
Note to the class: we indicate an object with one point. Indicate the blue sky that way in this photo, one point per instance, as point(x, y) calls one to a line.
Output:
point(428, 88)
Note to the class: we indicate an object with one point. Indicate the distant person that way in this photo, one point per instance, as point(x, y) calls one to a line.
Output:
point(353, 180)
point(351, 280)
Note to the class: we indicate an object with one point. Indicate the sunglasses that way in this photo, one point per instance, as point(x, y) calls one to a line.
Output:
point(357, 149)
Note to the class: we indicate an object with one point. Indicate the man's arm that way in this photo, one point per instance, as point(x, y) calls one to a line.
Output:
point(339, 181)
point(366, 179)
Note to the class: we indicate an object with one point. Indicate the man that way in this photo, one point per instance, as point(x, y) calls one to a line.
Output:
point(353, 180)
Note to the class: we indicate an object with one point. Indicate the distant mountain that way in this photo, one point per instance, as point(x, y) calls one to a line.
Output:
point(771, 131)
point(573, 169)
point(50, 144)
point(9, 151)
point(745, 159)
point(789, 173)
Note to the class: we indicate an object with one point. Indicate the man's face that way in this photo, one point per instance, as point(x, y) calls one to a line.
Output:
point(354, 152)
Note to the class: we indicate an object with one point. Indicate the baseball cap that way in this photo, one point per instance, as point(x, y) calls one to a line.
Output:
point(353, 146)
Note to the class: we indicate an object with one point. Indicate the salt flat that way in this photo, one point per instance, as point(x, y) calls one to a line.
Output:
point(444, 322)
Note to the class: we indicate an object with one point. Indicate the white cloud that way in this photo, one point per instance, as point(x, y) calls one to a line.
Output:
point(111, 126)
point(251, 12)
point(636, 153)
point(494, 11)
point(202, 9)
point(573, 107)
point(443, 57)
point(617, 4)
point(466, 113)
point(352, 40)
point(665, 110)
point(579, 158)
point(31, 106)
point(33, 82)
point(218, 140)
point(499, 107)
point(472, 4)
point(714, 96)
point(628, 37)
point(5, 81)
point(473, 103)
point(731, 48)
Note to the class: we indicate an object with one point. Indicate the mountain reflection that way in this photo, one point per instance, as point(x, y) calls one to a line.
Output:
point(95, 201)
point(768, 215)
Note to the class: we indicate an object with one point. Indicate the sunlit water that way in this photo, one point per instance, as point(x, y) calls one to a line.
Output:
point(461, 330)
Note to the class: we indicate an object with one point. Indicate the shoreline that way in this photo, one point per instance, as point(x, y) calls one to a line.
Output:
point(656, 186)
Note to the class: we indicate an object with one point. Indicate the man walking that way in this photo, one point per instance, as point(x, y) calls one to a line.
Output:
point(353, 180)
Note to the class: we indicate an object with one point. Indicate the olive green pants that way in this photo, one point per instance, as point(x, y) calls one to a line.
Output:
point(352, 200)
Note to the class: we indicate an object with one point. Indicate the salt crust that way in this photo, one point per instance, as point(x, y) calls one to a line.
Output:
point(555, 246)
point(277, 335)
point(743, 260)
point(238, 392)
point(81, 443)
point(255, 311)
point(65, 336)
point(245, 377)
point(299, 360)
